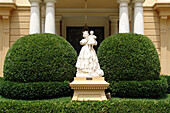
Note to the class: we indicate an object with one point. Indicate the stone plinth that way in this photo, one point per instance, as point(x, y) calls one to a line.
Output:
point(89, 88)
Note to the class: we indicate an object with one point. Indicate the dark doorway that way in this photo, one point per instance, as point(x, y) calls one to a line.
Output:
point(75, 35)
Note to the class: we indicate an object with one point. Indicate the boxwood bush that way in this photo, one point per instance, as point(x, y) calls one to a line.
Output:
point(40, 58)
point(113, 106)
point(147, 89)
point(35, 90)
point(128, 57)
point(168, 81)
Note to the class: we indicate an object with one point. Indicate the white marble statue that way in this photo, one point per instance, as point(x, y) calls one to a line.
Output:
point(87, 62)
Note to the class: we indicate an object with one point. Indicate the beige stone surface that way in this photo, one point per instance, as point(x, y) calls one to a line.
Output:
point(89, 88)
point(164, 14)
point(149, 2)
point(165, 1)
point(6, 0)
point(5, 13)
point(168, 47)
point(22, 2)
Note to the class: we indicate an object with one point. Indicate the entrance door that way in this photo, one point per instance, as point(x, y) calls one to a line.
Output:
point(75, 35)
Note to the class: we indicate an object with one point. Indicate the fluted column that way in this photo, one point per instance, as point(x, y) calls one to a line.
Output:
point(138, 17)
point(123, 16)
point(35, 16)
point(114, 24)
point(50, 16)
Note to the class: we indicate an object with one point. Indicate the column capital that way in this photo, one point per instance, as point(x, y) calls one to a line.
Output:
point(50, 1)
point(134, 1)
point(113, 18)
point(39, 1)
point(119, 1)
point(58, 18)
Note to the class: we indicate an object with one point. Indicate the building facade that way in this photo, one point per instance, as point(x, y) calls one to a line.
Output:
point(68, 17)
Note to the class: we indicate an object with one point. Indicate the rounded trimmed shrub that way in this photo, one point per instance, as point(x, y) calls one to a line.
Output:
point(40, 57)
point(128, 57)
point(168, 82)
point(34, 90)
point(149, 89)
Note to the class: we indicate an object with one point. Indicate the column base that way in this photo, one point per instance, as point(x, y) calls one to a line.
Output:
point(89, 88)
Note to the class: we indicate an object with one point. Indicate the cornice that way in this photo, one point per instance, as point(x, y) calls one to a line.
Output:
point(9, 5)
point(161, 5)
point(162, 8)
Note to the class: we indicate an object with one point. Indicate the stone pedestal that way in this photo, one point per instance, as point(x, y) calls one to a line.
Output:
point(89, 88)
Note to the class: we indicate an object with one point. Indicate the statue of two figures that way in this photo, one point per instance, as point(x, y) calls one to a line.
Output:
point(87, 62)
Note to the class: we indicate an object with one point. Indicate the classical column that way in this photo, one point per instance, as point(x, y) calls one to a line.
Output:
point(58, 19)
point(50, 16)
point(123, 16)
point(138, 17)
point(35, 16)
point(114, 24)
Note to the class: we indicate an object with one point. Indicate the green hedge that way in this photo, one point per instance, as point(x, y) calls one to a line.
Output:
point(36, 90)
point(149, 89)
point(168, 81)
point(113, 106)
point(40, 58)
point(129, 57)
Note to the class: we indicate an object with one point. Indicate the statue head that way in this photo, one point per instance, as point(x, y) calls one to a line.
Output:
point(85, 34)
point(91, 32)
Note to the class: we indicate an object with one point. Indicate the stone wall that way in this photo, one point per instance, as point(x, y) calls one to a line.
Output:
point(152, 26)
point(19, 23)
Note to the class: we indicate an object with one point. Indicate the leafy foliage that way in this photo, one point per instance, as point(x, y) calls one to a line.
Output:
point(40, 58)
point(35, 90)
point(129, 57)
point(149, 89)
point(115, 105)
point(168, 81)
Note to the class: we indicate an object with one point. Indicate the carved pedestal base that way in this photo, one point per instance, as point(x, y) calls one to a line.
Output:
point(90, 88)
